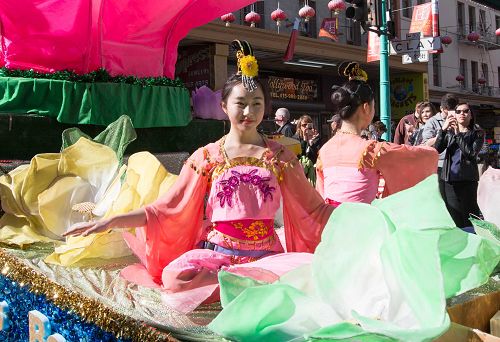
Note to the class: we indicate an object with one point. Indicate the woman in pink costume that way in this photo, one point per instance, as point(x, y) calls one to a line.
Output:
point(349, 167)
point(244, 176)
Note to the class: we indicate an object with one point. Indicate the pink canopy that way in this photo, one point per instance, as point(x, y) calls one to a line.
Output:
point(130, 37)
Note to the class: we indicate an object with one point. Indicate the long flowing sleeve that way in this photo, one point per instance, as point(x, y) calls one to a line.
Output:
point(174, 221)
point(402, 166)
point(320, 178)
point(304, 211)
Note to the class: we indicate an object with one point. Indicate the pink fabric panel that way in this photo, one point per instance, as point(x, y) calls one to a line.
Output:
point(348, 184)
point(141, 37)
point(46, 35)
point(131, 37)
point(304, 211)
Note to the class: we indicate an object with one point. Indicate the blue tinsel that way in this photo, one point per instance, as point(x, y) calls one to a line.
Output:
point(69, 325)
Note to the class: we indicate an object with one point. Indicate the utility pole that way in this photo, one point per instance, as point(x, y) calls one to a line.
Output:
point(385, 95)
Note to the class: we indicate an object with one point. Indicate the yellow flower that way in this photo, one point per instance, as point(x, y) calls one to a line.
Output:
point(249, 66)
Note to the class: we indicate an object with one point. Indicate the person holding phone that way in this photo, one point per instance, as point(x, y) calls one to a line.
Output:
point(308, 137)
point(462, 140)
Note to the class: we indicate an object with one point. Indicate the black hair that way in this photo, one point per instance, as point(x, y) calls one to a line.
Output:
point(472, 123)
point(449, 101)
point(350, 96)
point(234, 80)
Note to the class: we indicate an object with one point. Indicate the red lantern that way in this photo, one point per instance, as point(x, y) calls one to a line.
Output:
point(460, 78)
point(336, 6)
point(307, 12)
point(252, 18)
point(481, 81)
point(446, 40)
point(473, 37)
point(497, 32)
point(278, 16)
point(228, 18)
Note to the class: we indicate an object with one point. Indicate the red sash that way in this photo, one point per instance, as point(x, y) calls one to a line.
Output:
point(248, 230)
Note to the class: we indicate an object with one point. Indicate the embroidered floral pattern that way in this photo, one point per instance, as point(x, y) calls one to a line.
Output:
point(255, 230)
point(230, 185)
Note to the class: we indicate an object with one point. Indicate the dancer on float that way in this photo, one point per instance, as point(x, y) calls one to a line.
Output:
point(349, 167)
point(244, 175)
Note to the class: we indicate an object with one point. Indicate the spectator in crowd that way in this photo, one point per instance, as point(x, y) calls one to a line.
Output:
point(282, 119)
point(308, 137)
point(379, 129)
point(335, 124)
point(427, 111)
point(406, 126)
point(434, 125)
point(461, 141)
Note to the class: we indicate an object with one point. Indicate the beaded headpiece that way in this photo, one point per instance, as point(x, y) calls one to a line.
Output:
point(247, 64)
point(353, 71)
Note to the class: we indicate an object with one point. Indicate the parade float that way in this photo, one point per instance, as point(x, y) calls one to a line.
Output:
point(90, 62)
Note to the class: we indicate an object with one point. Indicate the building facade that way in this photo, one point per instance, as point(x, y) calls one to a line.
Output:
point(303, 85)
point(477, 62)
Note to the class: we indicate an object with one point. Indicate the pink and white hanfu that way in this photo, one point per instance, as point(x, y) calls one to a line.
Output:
point(183, 244)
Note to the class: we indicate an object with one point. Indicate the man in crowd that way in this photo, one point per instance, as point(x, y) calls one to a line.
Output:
point(282, 119)
point(434, 124)
point(406, 126)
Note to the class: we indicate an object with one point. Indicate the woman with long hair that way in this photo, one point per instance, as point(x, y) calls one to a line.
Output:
point(463, 141)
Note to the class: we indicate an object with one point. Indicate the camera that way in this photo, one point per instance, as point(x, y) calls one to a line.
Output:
point(309, 126)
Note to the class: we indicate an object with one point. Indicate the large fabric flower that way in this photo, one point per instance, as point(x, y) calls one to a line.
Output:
point(381, 272)
point(146, 179)
point(38, 199)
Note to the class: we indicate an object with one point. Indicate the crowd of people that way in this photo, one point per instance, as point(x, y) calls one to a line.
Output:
point(452, 132)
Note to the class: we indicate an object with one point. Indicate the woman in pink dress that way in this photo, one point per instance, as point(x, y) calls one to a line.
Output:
point(244, 176)
point(349, 168)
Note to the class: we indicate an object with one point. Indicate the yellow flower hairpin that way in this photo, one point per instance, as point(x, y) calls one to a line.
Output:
point(248, 67)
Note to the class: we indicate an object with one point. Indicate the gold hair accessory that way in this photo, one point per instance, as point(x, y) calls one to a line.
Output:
point(248, 67)
point(354, 72)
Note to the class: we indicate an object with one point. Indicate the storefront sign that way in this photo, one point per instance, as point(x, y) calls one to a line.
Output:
point(406, 91)
point(193, 66)
point(293, 89)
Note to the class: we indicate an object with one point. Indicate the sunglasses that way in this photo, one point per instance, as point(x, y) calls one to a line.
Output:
point(304, 124)
point(460, 111)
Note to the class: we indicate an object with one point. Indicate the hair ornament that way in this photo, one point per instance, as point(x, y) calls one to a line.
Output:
point(248, 67)
point(353, 71)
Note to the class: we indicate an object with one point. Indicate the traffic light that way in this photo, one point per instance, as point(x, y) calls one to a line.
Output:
point(358, 12)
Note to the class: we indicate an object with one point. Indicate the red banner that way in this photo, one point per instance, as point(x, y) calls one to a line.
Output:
point(373, 51)
point(421, 20)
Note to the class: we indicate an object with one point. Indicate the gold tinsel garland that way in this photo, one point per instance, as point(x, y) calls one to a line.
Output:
point(90, 310)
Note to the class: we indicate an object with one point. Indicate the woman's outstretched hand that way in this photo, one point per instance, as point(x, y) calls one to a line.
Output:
point(86, 228)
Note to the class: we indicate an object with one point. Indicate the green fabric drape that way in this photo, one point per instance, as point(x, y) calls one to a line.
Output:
point(381, 272)
point(96, 103)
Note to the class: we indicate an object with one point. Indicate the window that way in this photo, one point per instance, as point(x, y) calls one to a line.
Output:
point(463, 71)
point(474, 77)
point(436, 69)
point(309, 29)
point(420, 2)
point(482, 22)
point(484, 70)
point(406, 5)
point(472, 19)
point(460, 19)
point(259, 8)
point(353, 33)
